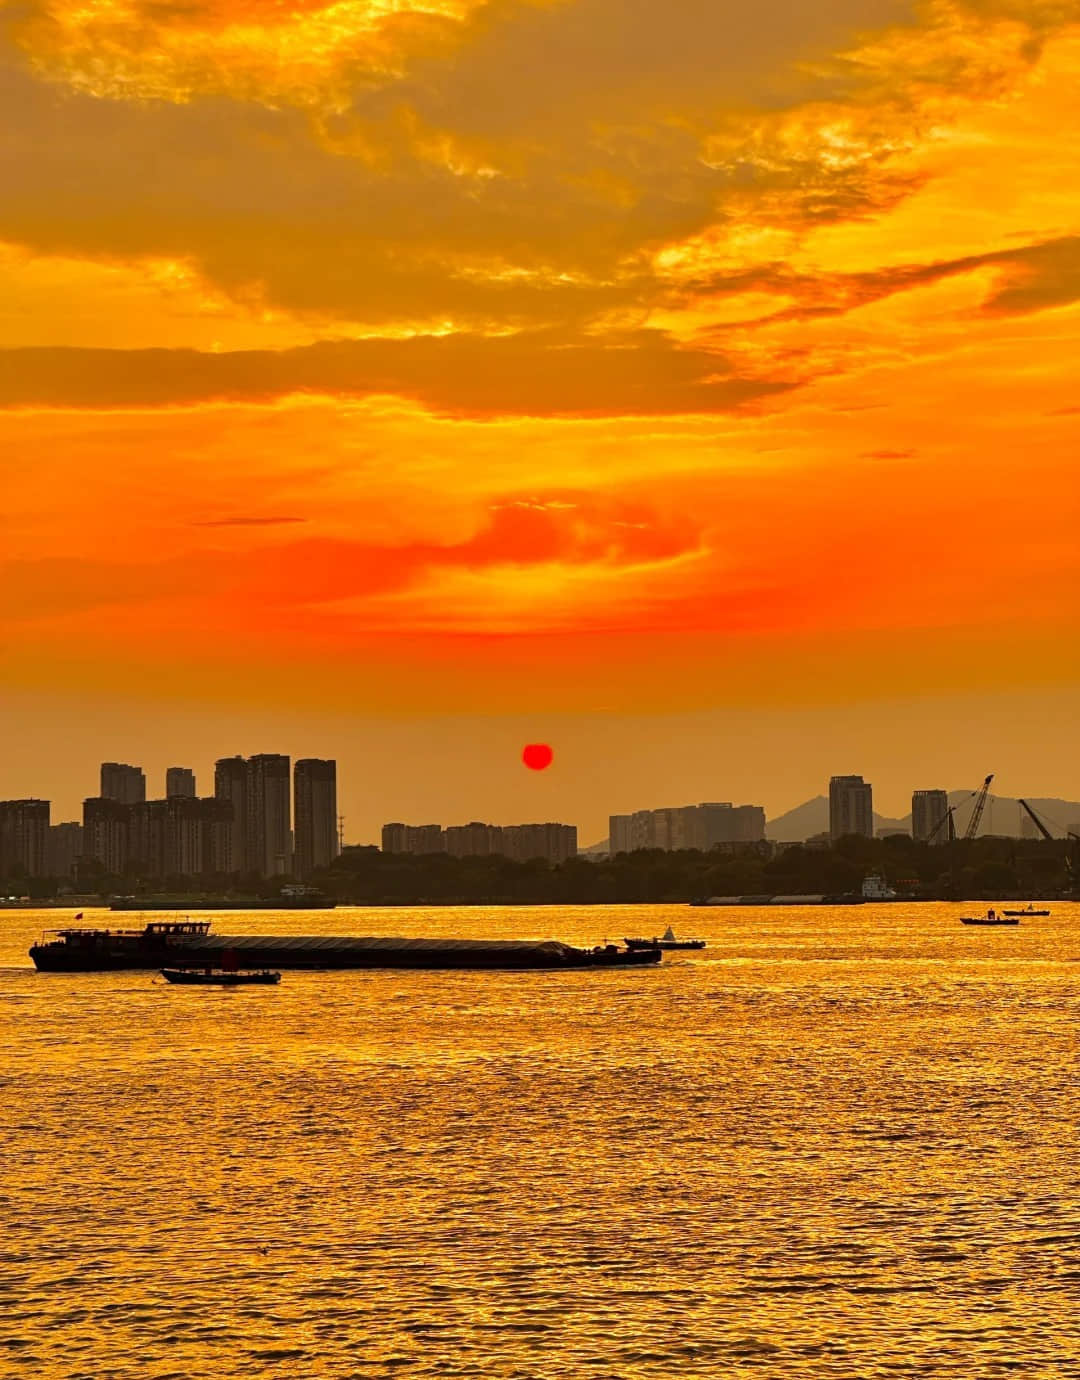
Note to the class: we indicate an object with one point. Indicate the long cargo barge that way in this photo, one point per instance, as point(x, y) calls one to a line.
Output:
point(180, 943)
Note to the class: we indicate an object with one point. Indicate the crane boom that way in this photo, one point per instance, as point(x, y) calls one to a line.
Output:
point(980, 806)
point(1037, 822)
point(946, 820)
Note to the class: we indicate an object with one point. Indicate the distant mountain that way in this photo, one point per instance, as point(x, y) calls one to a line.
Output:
point(806, 820)
point(1002, 817)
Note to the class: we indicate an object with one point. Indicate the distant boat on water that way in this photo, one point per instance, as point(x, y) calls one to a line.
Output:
point(209, 977)
point(990, 918)
point(293, 897)
point(1029, 909)
point(666, 941)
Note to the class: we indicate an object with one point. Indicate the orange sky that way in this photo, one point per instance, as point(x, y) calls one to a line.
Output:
point(638, 377)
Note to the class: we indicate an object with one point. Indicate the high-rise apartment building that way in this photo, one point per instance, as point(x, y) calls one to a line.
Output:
point(259, 838)
point(314, 815)
point(182, 819)
point(217, 835)
point(553, 843)
point(196, 835)
point(179, 781)
point(395, 837)
point(268, 842)
point(230, 787)
point(106, 829)
point(720, 822)
point(180, 836)
point(413, 838)
point(851, 807)
point(928, 811)
point(619, 829)
point(24, 834)
point(64, 849)
point(122, 782)
point(473, 840)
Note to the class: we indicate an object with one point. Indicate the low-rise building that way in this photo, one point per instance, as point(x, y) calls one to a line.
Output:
point(521, 842)
point(711, 824)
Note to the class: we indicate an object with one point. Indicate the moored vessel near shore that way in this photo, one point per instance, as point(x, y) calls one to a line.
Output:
point(815, 899)
point(189, 943)
point(290, 898)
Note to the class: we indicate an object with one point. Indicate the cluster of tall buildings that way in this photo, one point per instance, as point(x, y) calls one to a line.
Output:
point(520, 842)
point(264, 817)
point(705, 826)
point(851, 811)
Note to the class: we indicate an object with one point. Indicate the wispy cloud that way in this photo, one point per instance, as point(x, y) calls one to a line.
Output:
point(247, 521)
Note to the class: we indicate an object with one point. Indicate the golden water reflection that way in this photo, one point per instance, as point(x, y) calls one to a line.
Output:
point(836, 1143)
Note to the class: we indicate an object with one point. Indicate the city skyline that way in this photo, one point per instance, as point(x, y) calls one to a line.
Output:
point(141, 784)
point(264, 819)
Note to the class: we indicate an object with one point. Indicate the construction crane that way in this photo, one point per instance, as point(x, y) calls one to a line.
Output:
point(980, 806)
point(945, 822)
point(1070, 839)
point(1036, 821)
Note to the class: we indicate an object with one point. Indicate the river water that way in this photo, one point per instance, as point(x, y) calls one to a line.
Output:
point(838, 1142)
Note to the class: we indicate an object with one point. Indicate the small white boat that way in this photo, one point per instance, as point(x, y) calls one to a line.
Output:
point(666, 941)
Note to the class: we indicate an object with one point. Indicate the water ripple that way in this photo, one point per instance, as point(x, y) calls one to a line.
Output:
point(827, 1147)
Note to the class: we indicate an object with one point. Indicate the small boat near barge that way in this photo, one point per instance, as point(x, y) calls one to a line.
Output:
point(220, 977)
point(666, 941)
point(990, 918)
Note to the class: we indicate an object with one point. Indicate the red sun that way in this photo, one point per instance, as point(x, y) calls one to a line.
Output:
point(536, 756)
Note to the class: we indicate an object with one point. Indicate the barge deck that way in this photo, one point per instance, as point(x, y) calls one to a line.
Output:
point(166, 943)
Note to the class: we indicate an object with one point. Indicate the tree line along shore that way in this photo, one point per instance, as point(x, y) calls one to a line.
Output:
point(988, 868)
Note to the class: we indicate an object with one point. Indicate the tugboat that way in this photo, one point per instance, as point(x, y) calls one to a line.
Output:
point(86, 950)
point(666, 941)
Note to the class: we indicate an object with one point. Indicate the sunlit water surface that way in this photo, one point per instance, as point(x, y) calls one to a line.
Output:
point(839, 1142)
